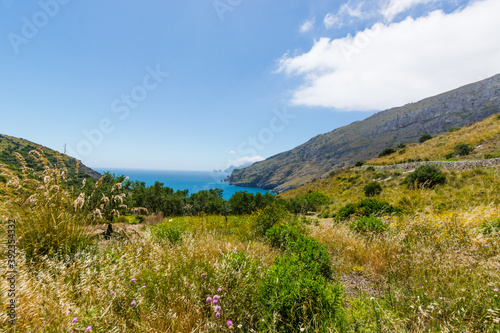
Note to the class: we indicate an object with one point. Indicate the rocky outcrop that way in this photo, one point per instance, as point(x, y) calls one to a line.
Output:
point(365, 139)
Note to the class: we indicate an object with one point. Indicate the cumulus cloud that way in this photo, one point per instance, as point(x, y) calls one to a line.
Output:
point(232, 152)
point(392, 64)
point(392, 8)
point(245, 160)
point(307, 25)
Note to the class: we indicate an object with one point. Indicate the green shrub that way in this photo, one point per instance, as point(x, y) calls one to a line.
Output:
point(310, 251)
point(449, 155)
point(359, 163)
point(293, 297)
point(387, 151)
point(325, 215)
point(172, 234)
point(311, 201)
point(454, 129)
point(463, 149)
point(401, 146)
point(491, 228)
point(366, 207)
point(368, 224)
point(424, 138)
point(268, 217)
point(425, 175)
point(370, 168)
point(373, 188)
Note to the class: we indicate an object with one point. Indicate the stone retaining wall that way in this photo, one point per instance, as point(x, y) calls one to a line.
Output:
point(443, 164)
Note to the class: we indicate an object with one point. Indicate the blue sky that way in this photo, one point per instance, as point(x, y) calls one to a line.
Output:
point(203, 84)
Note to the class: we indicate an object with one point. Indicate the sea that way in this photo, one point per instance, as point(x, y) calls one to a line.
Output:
point(193, 181)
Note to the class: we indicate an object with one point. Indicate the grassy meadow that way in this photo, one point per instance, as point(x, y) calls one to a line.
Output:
point(403, 259)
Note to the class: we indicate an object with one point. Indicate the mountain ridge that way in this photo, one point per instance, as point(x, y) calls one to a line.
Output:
point(365, 139)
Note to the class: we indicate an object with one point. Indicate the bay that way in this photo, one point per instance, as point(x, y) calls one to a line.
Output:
point(193, 181)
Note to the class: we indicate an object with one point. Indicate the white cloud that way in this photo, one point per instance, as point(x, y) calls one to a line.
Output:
point(391, 65)
point(245, 160)
point(232, 152)
point(391, 8)
point(332, 21)
point(307, 25)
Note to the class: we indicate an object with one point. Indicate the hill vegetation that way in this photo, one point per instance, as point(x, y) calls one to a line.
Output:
point(334, 255)
point(379, 133)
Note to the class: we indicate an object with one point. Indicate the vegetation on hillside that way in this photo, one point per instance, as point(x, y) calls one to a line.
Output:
point(390, 257)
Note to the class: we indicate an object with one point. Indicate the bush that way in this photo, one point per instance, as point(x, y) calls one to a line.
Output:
point(425, 175)
point(373, 188)
point(491, 228)
point(401, 146)
point(268, 217)
point(368, 224)
point(454, 129)
point(463, 149)
point(366, 207)
point(359, 163)
point(313, 253)
point(387, 151)
point(424, 138)
point(449, 155)
point(172, 234)
point(370, 168)
point(292, 297)
point(311, 201)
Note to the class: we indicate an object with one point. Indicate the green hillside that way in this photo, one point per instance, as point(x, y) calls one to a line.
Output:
point(365, 139)
point(10, 145)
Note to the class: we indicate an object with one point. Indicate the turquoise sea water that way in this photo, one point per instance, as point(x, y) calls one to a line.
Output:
point(193, 181)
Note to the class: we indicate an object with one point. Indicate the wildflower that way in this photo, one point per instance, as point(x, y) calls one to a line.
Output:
point(112, 292)
point(486, 245)
point(133, 303)
point(203, 274)
point(209, 299)
point(229, 323)
point(240, 326)
point(143, 287)
point(215, 302)
point(457, 251)
point(216, 296)
point(219, 290)
point(495, 289)
point(218, 308)
point(74, 320)
point(88, 328)
point(217, 314)
point(133, 280)
point(188, 284)
point(67, 314)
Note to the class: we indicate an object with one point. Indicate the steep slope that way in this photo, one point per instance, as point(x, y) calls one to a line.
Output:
point(365, 139)
point(10, 145)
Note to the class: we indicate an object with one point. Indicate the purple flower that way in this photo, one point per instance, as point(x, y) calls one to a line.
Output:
point(229, 323)
point(219, 290)
point(88, 328)
point(216, 296)
point(133, 303)
point(495, 289)
point(215, 302)
point(457, 251)
point(133, 280)
point(209, 299)
point(203, 274)
point(188, 284)
point(112, 292)
point(67, 314)
point(74, 320)
point(218, 308)
point(217, 314)
point(486, 245)
point(143, 287)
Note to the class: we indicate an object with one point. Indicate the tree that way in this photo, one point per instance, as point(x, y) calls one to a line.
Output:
point(424, 138)
point(463, 149)
point(373, 188)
